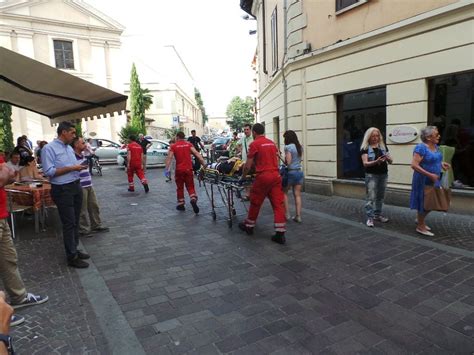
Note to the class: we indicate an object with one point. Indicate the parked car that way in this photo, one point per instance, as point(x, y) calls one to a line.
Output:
point(105, 149)
point(155, 155)
point(219, 147)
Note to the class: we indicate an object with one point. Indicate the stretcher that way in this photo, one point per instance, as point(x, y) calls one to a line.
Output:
point(223, 187)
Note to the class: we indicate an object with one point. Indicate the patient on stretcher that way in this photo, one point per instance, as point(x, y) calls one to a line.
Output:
point(232, 166)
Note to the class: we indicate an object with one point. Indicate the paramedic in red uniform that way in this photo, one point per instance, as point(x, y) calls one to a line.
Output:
point(181, 151)
point(135, 164)
point(267, 183)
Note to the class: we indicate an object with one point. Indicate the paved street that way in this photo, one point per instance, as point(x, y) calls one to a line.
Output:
point(169, 282)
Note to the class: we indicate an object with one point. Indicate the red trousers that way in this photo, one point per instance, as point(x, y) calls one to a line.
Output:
point(182, 178)
point(135, 169)
point(267, 184)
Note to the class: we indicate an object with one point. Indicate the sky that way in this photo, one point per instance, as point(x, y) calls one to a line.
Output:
point(210, 35)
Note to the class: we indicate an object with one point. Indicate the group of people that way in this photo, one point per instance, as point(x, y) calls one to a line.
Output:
point(427, 163)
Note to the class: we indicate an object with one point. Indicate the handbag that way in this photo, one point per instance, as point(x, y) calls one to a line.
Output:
point(284, 175)
point(437, 198)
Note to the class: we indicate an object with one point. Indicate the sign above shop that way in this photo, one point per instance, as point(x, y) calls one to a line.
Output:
point(402, 134)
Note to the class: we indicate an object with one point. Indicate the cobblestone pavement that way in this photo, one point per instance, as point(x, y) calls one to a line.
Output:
point(179, 283)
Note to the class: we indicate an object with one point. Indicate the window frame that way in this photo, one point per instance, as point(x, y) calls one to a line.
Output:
point(75, 51)
point(349, 7)
point(63, 50)
point(274, 39)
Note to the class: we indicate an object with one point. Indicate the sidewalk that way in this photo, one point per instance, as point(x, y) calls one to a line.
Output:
point(164, 282)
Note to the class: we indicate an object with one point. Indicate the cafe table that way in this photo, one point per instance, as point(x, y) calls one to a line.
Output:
point(38, 196)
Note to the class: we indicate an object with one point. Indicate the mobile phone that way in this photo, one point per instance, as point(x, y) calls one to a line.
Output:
point(84, 162)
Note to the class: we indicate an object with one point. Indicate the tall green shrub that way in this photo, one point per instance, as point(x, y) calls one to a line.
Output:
point(137, 105)
point(6, 134)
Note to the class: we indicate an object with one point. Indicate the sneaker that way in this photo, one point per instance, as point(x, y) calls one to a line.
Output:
point(181, 208)
point(78, 263)
point(297, 219)
point(83, 256)
point(195, 206)
point(30, 300)
point(370, 222)
point(100, 229)
point(145, 186)
point(381, 218)
point(279, 238)
point(16, 320)
point(243, 227)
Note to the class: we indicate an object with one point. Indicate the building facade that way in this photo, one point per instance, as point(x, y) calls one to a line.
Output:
point(329, 69)
point(73, 37)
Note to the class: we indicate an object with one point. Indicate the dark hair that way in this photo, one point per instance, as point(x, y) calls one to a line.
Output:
point(193, 131)
point(132, 137)
point(180, 135)
point(19, 140)
point(74, 141)
point(290, 137)
point(258, 128)
point(42, 144)
point(235, 133)
point(248, 125)
point(26, 160)
point(64, 126)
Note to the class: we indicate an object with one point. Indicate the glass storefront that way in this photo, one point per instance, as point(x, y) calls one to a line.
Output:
point(451, 109)
point(357, 111)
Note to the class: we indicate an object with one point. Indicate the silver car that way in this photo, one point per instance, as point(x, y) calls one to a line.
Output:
point(105, 149)
point(155, 155)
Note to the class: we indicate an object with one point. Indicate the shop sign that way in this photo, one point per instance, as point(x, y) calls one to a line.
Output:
point(183, 119)
point(175, 121)
point(402, 134)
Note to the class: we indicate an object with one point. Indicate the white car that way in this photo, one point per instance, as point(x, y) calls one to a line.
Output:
point(155, 155)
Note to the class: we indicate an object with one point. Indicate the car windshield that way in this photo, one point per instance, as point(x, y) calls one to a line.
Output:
point(221, 140)
point(159, 145)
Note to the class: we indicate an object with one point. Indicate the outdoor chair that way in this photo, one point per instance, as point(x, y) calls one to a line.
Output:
point(16, 207)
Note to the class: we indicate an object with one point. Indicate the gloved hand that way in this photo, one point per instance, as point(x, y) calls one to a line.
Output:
point(167, 174)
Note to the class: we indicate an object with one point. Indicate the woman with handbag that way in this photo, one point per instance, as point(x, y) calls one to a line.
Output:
point(427, 164)
point(294, 173)
point(375, 156)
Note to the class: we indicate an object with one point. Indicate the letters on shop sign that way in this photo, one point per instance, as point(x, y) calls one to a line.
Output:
point(402, 134)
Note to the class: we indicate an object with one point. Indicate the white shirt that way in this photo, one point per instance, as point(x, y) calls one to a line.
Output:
point(245, 144)
point(14, 167)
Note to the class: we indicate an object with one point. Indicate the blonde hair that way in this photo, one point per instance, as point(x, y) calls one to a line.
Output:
point(368, 133)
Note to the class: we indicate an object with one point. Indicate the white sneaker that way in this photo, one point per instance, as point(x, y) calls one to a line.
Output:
point(297, 219)
point(370, 222)
point(381, 219)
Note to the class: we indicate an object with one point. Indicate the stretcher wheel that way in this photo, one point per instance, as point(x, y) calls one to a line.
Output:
point(229, 223)
point(214, 216)
point(234, 212)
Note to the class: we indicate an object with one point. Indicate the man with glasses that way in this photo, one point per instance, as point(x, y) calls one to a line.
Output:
point(243, 148)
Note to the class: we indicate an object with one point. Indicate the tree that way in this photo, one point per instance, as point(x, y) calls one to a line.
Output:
point(171, 132)
point(78, 129)
point(240, 112)
point(200, 103)
point(127, 131)
point(6, 134)
point(137, 107)
point(147, 99)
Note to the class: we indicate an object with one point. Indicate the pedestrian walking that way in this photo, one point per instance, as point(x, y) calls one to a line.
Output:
point(264, 154)
point(181, 151)
point(243, 149)
point(9, 272)
point(427, 165)
point(60, 165)
point(375, 156)
point(145, 144)
point(135, 164)
point(198, 145)
point(293, 157)
point(89, 221)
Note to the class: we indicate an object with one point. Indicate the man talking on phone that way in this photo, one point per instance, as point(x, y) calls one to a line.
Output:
point(60, 165)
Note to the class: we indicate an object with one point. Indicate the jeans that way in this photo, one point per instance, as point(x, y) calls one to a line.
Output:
point(68, 199)
point(375, 185)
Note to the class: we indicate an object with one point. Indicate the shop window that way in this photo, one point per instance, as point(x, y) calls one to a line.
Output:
point(357, 111)
point(451, 109)
point(344, 5)
point(63, 54)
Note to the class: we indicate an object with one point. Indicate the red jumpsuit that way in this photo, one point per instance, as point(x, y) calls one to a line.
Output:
point(184, 170)
point(135, 154)
point(267, 183)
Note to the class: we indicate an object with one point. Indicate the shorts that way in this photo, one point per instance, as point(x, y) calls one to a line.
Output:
point(295, 177)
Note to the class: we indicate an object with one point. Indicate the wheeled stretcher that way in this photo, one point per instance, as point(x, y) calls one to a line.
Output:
point(225, 187)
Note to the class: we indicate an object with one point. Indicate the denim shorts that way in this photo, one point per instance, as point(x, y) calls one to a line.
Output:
point(295, 177)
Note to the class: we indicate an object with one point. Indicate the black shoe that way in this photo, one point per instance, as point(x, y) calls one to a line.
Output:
point(100, 229)
point(279, 238)
point(181, 208)
point(78, 263)
point(195, 206)
point(85, 235)
point(145, 186)
point(83, 256)
point(131, 190)
point(243, 227)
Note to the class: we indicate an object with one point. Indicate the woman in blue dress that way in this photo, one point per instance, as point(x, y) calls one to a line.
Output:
point(427, 164)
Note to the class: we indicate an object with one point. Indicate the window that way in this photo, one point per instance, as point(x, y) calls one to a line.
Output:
point(357, 111)
point(344, 5)
point(63, 54)
point(274, 27)
point(451, 109)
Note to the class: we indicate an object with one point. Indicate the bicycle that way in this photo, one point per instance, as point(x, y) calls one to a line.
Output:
point(96, 165)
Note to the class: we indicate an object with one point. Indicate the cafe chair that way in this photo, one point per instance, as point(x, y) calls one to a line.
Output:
point(18, 202)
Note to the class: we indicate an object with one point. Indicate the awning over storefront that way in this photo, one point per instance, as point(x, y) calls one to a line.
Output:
point(37, 87)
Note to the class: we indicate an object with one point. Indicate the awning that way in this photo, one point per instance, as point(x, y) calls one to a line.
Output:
point(37, 87)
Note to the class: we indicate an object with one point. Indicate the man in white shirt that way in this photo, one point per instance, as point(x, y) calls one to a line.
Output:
point(243, 147)
point(14, 164)
point(88, 153)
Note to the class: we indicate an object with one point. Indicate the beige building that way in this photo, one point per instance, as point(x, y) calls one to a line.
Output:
point(71, 36)
point(164, 73)
point(217, 124)
point(329, 69)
